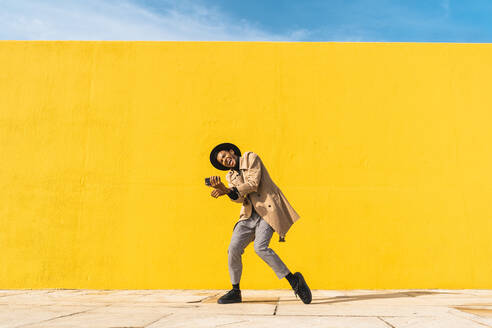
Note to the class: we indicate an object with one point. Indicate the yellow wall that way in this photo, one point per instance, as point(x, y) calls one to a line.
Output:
point(384, 149)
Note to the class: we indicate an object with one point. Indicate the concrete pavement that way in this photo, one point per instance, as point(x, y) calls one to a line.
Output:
point(260, 308)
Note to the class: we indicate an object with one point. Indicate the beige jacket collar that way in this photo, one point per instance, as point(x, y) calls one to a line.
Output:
point(242, 165)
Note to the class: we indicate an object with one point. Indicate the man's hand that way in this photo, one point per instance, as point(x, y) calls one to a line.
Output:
point(217, 193)
point(217, 184)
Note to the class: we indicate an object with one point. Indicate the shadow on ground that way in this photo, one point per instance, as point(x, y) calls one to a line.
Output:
point(327, 300)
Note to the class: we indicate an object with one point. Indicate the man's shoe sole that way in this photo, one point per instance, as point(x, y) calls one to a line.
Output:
point(229, 302)
point(303, 282)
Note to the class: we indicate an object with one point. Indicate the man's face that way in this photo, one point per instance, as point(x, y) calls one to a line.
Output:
point(227, 158)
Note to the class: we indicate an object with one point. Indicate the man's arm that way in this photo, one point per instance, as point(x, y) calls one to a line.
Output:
point(252, 176)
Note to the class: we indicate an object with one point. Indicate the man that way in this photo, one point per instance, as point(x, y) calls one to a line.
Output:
point(264, 210)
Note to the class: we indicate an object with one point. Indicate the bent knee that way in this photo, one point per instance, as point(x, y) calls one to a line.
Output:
point(235, 249)
point(262, 250)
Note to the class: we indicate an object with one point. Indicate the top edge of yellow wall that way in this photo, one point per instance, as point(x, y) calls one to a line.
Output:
point(242, 42)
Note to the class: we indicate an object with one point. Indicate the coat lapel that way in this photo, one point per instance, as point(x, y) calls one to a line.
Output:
point(242, 162)
point(242, 166)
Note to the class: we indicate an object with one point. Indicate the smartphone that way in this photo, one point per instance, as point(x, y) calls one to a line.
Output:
point(207, 181)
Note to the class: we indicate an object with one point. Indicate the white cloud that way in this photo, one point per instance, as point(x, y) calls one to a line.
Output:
point(125, 20)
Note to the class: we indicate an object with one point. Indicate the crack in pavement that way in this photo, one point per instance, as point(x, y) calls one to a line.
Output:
point(206, 298)
point(230, 323)
point(276, 306)
point(54, 318)
point(380, 318)
point(167, 315)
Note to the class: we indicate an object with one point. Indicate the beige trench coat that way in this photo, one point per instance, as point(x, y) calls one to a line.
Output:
point(257, 189)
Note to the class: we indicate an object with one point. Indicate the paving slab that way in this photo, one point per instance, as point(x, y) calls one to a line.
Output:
point(91, 297)
point(412, 302)
point(177, 296)
point(18, 315)
point(475, 314)
point(54, 297)
point(464, 291)
point(260, 308)
point(203, 308)
point(228, 321)
point(12, 292)
point(360, 310)
point(400, 298)
point(100, 320)
point(434, 322)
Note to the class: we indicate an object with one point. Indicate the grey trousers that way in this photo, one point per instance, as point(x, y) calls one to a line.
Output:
point(245, 231)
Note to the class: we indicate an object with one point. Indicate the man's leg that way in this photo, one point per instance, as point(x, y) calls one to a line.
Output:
point(264, 233)
point(243, 234)
point(263, 236)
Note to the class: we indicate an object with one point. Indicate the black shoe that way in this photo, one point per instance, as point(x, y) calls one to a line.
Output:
point(232, 296)
point(301, 288)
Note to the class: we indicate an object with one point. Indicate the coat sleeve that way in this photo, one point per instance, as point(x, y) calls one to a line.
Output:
point(240, 199)
point(252, 176)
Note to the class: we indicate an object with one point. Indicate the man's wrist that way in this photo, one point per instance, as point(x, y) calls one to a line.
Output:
point(233, 194)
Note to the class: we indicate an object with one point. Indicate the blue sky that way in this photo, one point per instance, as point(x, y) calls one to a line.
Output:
point(248, 20)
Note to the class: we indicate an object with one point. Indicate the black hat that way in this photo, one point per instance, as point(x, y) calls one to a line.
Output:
point(223, 146)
